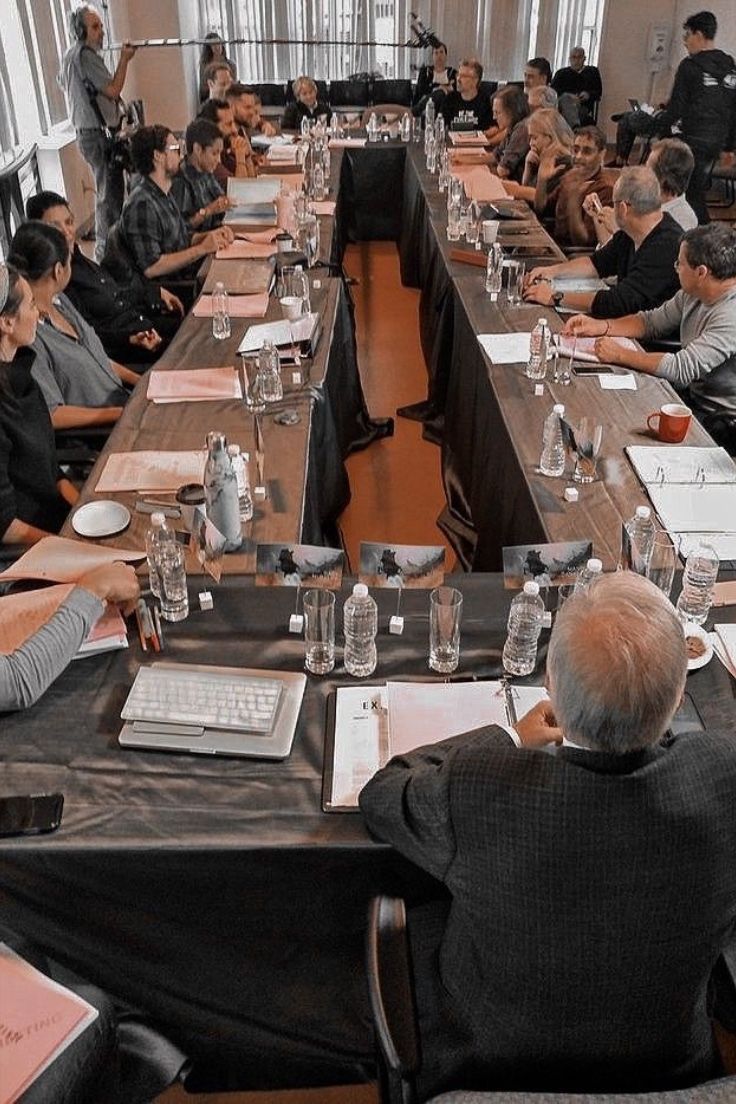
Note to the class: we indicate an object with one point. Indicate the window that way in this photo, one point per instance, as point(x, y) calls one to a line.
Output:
point(579, 23)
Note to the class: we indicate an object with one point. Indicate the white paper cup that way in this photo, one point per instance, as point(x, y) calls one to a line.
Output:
point(490, 231)
point(291, 307)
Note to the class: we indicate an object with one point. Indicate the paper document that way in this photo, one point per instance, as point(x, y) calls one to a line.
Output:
point(625, 382)
point(727, 636)
point(245, 250)
point(681, 464)
point(584, 347)
point(40, 1018)
point(323, 206)
point(21, 615)
point(239, 306)
point(61, 560)
point(723, 544)
point(194, 385)
point(506, 348)
point(683, 508)
point(151, 471)
point(247, 190)
point(724, 594)
point(347, 143)
point(480, 183)
point(373, 723)
point(281, 333)
point(468, 156)
point(258, 236)
point(468, 138)
point(582, 283)
point(283, 155)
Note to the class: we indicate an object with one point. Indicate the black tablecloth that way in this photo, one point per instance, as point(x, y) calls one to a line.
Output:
point(213, 893)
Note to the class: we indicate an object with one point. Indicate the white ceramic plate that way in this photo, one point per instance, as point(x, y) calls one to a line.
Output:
point(698, 630)
point(100, 519)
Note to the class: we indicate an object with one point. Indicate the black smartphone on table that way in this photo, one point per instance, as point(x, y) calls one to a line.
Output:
point(30, 814)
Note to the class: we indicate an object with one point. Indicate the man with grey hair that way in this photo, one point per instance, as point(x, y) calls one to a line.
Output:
point(306, 104)
point(641, 254)
point(96, 112)
point(703, 312)
point(541, 96)
point(592, 887)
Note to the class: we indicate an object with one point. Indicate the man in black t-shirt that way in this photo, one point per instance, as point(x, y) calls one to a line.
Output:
point(468, 108)
point(642, 255)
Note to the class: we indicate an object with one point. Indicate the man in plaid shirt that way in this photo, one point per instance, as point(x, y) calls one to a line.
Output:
point(198, 195)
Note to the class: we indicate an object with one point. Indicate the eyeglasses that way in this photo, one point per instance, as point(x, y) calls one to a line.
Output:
point(174, 148)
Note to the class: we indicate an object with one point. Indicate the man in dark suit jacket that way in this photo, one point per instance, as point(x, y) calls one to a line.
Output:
point(592, 885)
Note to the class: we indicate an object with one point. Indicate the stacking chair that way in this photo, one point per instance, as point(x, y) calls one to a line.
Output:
point(350, 93)
point(392, 92)
point(398, 1056)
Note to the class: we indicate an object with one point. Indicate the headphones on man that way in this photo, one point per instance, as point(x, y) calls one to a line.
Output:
point(77, 26)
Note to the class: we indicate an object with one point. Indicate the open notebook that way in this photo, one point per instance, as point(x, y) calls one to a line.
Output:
point(21, 615)
point(374, 723)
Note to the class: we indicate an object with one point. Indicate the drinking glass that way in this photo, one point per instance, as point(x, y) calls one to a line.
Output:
point(307, 237)
point(472, 229)
point(588, 437)
point(514, 282)
point(294, 283)
point(494, 271)
point(445, 612)
point(416, 130)
point(319, 631)
point(172, 573)
point(662, 560)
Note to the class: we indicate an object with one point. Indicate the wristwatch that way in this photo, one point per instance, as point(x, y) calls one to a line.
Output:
point(557, 298)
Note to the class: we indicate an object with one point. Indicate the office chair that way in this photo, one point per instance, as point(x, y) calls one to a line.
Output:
point(119, 261)
point(398, 1057)
point(392, 112)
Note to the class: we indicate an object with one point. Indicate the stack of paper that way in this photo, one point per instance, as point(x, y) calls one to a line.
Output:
point(239, 306)
point(22, 615)
point(480, 183)
point(347, 143)
point(283, 154)
point(151, 471)
point(283, 334)
point(194, 385)
point(61, 560)
point(39, 1021)
point(323, 206)
point(584, 347)
point(468, 138)
point(506, 348)
point(245, 250)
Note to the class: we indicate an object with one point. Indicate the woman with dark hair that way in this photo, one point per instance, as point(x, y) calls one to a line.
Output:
point(34, 495)
point(81, 385)
point(510, 111)
point(213, 50)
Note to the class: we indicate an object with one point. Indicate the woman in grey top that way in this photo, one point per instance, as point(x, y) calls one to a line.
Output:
point(30, 669)
point(81, 385)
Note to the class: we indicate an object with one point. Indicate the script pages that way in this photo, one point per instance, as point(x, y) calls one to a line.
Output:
point(374, 723)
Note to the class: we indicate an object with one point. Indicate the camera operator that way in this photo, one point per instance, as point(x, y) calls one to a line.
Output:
point(96, 113)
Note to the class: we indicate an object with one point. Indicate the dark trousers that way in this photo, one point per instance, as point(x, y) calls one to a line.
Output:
point(633, 125)
point(109, 185)
point(698, 187)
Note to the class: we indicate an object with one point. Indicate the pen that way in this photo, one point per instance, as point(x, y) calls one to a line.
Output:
point(141, 634)
point(147, 623)
point(159, 630)
point(508, 696)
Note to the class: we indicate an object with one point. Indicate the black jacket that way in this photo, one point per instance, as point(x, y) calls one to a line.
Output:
point(295, 111)
point(703, 101)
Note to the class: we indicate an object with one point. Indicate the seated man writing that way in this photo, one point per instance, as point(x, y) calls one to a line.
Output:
point(152, 224)
point(641, 255)
point(703, 312)
point(592, 886)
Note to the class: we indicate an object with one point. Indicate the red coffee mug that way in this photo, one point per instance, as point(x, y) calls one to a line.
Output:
point(673, 423)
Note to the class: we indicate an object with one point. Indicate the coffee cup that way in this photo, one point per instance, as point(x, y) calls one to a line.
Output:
point(490, 231)
point(291, 306)
point(672, 422)
point(189, 497)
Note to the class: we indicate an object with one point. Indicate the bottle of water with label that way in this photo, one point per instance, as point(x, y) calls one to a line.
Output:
point(536, 368)
point(552, 460)
point(588, 575)
point(245, 499)
point(454, 217)
point(221, 491)
point(360, 624)
point(524, 626)
point(429, 115)
point(269, 373)
point(220, 313)
point(431, 152)
point(494, 271)
point(640, 529)
point(156, 536)
point(698, 580)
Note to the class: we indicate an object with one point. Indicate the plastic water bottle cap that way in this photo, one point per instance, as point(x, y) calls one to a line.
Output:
point(595, 565)
point(531, 588)
point(643, 512)
point(559, 408)
point(360, 590)
point(233, 450)
point(219, 286)
point(541, 321)
point(158, 519)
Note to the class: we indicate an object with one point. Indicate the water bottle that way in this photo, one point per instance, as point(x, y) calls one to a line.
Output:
point(701, 572)
point(245, 499)
point(524, 626)
point(429, 114)
point(439, 130)
point(327, 166)
point(174, 598)
point(431, 153)
point(360, 624)
point(405, 128)
point(304, 127)
point(156, 536)
point(220, 313)
point(494, 271)
point(454, 219)
point(536, 368)
point(373, 128)
point(270, 386)
point(221, 491)
point(588, 575)
point(552, 460)
point(318, 182)
point(641, 530)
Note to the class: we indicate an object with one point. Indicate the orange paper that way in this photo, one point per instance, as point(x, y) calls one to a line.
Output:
point(194, 385)
point(245, 251)
point(480, 183)
point(239, 306)
point(61, 560)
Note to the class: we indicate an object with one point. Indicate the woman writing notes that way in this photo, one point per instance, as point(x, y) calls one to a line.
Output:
point(81, 385)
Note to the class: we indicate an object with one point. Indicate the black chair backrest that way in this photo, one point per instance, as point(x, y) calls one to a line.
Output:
point(322, 92)
point(272, 95)
point(392, 91)
point(350, 93)
point(489, 87)
point(118, 259)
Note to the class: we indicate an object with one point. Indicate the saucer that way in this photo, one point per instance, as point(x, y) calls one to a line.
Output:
point(101, 519)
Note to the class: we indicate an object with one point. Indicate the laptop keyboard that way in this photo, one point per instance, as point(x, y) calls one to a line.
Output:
point(203, 697)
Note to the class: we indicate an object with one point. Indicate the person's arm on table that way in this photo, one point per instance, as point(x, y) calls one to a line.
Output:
point(171, 302)
point(30, 670)
point(79, 417)
point(202, 245)
point(538, 287)
point(609, 351)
